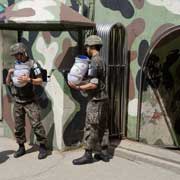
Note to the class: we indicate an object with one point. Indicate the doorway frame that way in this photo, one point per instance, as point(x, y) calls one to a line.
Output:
point(163, 35)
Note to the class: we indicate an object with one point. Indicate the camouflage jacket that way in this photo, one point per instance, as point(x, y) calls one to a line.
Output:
point(97, 75)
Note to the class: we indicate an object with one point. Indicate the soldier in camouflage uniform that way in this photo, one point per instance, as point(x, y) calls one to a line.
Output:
point(96, 134)
point(24, 100)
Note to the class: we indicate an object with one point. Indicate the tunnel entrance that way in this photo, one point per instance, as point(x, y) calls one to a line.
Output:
point(159, 97)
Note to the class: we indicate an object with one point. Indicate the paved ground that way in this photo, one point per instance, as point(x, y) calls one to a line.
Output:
point(58, 166)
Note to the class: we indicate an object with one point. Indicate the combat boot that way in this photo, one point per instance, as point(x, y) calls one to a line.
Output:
point(20, 152)
point(42, 151)
point(85, 159)
point(103, 155)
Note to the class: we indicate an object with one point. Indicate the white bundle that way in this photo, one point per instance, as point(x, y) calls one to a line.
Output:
point(78, 70)
point(20, 69)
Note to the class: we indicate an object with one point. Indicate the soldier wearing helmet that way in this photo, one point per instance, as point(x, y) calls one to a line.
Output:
point(93, 40)
point(96, 134)
point(22, 78)
point(18, 48)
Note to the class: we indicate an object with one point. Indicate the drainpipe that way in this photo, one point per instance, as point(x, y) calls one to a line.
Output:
point(91, 4)
point(81, 7)
point(91, 9)
point(80, 32)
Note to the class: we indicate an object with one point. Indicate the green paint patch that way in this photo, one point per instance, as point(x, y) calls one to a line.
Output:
point(2, 8)
point(59, 77)
point(131, 131)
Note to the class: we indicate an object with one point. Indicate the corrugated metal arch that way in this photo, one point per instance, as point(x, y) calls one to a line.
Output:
point(114, 37)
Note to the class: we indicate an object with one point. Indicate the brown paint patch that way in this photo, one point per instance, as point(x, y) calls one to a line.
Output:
point(47, 37)
point(68, 15)
point(7, 12)
point(156, 116)
point(133, 55)
point(134, 30)
point(138, 3)
point(26, 12)
point(131, 88)
point(65, 46)
point(160, 31)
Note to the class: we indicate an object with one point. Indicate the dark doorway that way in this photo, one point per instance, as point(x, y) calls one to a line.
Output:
point(159, 99)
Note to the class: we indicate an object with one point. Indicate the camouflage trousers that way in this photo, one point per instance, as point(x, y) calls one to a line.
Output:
point(33, 113)
point(96, 133)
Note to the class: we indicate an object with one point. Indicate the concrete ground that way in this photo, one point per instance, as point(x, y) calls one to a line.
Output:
point(58, 166)
point(162, 157)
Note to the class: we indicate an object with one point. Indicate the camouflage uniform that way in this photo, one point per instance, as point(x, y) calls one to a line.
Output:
point(33, 113)
point(25, 104)
point(96, 134)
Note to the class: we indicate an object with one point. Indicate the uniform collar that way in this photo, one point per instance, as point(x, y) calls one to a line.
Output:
point(20, 62)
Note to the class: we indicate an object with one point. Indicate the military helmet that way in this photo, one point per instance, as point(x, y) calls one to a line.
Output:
point(17, 48)
point(93, 40)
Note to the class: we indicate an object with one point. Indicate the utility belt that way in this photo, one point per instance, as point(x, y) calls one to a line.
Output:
point(22, 92)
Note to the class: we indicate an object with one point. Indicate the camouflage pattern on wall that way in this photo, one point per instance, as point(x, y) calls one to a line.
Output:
point(145, 21)
point(63, 109)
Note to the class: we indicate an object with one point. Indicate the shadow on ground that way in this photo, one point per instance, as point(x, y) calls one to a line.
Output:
point(114, 143)
point(4, 155)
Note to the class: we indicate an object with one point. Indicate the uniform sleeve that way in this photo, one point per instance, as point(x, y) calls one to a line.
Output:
point(37, 69)
point(94, 81)
point(93, 73)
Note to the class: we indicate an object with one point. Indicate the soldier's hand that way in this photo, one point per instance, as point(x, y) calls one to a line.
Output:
point(8, 78)
point(24, 79)
point(72, 85)
point(11, 71)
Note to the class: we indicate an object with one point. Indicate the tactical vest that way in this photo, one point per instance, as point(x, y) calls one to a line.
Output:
point(24, 93)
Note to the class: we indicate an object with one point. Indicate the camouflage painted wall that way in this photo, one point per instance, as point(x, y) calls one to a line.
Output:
point(145, 21)
point(61, 113)
point(63, 109)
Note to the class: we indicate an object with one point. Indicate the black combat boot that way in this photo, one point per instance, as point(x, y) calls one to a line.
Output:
point(103, 155)
point(85, 159)
point(20, 152)
point(42, 151)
